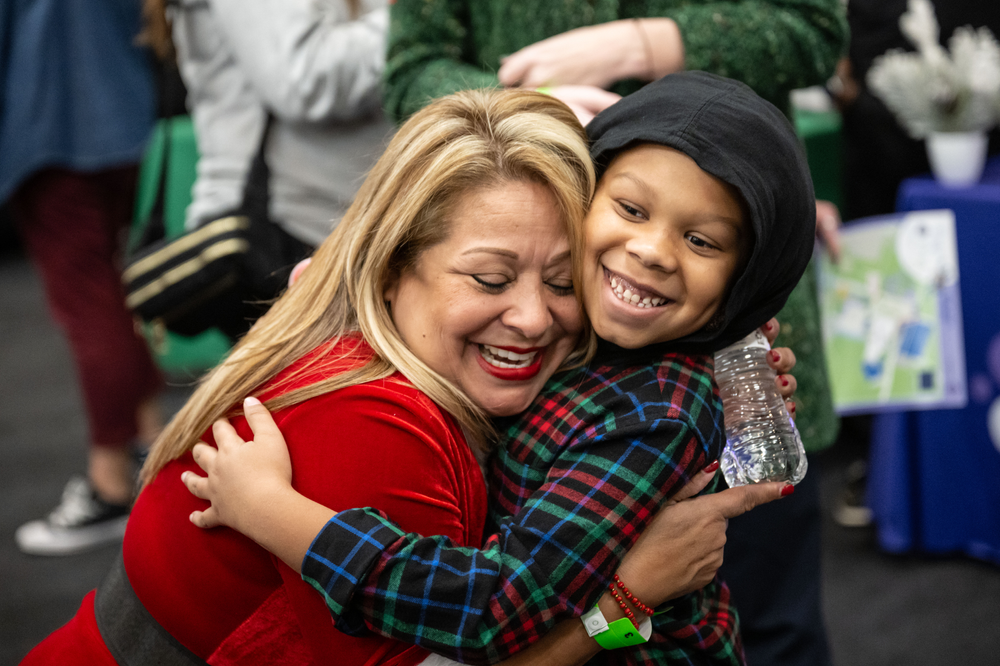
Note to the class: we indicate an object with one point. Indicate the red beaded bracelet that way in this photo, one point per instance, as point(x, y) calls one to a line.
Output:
point(624, 606)
point(628, 595)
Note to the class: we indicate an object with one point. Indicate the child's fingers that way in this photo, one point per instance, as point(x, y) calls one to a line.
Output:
point(770, 330)
point(206, 519)
point(260, 420)
point(204, 455)
point(225, 434)
point(196, 485)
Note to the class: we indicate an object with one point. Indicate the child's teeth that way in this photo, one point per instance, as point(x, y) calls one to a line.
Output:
point(618, 287)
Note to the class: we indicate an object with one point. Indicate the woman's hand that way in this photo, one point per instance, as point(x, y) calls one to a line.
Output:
point(598, 55)
point(585, 101)
point(781, 360)
point(828, 225)
point(681, 549)
point(241, 476)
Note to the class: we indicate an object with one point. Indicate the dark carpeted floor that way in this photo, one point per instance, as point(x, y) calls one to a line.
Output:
point(881, 610)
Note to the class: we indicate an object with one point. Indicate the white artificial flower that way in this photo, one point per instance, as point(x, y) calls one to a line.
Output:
point(934, 90)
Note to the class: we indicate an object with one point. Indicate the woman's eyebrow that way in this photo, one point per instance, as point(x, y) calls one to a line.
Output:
point(492, 250)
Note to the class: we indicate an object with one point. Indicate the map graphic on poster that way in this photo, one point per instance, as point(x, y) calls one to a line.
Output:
point(892, 316)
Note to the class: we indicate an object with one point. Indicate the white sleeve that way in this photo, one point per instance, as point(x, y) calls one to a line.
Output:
point(307, 59)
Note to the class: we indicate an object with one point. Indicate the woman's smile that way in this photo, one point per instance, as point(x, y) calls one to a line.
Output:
point(511, 363)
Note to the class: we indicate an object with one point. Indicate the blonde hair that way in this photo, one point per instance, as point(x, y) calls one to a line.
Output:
point(470, 140)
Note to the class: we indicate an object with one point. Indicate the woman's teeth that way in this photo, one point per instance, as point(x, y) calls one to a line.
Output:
point(624, 293)
point(504, 358)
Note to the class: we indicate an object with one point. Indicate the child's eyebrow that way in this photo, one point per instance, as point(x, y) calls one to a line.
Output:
point(637, 181)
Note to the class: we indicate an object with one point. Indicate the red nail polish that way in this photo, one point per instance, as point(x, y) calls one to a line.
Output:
point(711, 467)
point(775, 356)
point(792, 409)
point(787, 490)
point(784, 382)
point(769, 326)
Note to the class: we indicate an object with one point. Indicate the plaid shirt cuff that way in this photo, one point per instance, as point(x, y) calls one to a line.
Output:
point(341, 557)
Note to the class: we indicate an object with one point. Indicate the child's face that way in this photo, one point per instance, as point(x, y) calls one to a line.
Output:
point(663, 240)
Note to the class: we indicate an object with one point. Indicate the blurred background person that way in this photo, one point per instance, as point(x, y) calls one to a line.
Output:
point(315, 66)
point(76, 107)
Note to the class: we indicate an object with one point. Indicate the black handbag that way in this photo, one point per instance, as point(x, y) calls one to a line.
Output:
point(223, 274)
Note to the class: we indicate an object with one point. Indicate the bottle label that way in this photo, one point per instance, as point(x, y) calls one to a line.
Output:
point(755, 340)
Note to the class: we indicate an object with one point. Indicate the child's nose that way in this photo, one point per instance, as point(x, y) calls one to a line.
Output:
point(654, 251)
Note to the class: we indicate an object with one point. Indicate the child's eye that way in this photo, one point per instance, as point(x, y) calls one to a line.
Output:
point(491, 286)
point(631, 210)
point(700, 242)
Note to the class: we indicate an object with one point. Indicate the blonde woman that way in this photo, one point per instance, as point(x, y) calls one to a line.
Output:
point(476, 185)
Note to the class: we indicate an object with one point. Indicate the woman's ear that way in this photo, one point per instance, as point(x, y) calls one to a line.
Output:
point(391, 289)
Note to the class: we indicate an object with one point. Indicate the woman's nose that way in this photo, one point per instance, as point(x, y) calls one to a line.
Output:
point(528, 312)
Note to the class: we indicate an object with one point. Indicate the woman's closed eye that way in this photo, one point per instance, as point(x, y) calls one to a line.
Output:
point(561, 287)
point(492, 283)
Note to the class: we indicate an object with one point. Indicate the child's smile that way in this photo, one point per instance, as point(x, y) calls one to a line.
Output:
point(663, 242)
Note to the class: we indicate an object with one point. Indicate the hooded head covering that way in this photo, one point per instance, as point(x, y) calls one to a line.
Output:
point(736, 136)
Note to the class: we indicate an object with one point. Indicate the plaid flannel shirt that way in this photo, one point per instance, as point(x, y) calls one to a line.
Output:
point(578, 477)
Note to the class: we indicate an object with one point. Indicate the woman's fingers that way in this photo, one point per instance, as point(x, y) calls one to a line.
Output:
point(697, 484)
point(786, 385)
point(735, 502)
point(770, 330)
point(782, 360)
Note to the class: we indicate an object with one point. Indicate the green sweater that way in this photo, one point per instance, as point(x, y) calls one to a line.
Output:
point(437, 47)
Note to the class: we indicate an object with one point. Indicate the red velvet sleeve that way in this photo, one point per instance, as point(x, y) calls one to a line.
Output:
point(381, 444)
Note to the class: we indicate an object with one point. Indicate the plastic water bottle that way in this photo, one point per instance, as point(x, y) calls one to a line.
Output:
point(762, 442)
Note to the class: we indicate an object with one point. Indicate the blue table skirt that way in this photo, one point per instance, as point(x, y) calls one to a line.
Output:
point(934, 483)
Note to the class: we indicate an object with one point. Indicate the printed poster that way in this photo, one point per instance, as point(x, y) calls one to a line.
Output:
point(892, 316)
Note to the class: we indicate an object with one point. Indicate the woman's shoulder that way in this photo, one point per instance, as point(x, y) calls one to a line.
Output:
point(392, 398)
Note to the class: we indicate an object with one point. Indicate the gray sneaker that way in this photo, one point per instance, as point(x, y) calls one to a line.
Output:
point(80, 522)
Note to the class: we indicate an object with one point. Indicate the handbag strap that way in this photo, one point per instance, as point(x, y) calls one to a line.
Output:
point(155, 227)
point(131, 634)
point(256, 187)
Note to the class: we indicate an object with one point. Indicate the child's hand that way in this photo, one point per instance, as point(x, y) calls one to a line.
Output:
point(781, 360)
point(243, 477)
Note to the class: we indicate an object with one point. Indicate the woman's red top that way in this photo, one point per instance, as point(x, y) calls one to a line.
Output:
point(382, 444)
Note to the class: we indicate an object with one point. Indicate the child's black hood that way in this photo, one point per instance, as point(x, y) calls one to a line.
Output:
point(736, 136)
